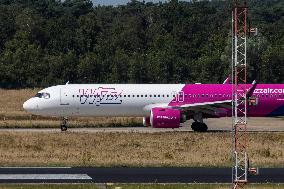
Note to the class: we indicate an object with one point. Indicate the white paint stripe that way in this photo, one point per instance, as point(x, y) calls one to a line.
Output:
point(35, 167)
point(45, 177)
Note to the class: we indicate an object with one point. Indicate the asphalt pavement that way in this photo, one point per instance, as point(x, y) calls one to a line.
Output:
point(132, 175)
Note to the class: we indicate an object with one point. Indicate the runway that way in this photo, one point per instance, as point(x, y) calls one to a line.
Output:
point(132, 175)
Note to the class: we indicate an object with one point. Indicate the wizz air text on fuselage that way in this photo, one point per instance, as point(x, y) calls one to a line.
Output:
point(268, 90)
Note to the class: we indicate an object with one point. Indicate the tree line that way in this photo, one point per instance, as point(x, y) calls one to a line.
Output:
point(49, 42)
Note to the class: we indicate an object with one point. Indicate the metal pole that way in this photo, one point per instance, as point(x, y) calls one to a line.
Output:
point(239, 97)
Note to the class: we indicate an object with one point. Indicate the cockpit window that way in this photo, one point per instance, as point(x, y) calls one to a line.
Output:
point(42, 95)
point(39, 95)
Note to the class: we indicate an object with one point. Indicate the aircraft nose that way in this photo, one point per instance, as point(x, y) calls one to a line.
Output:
point(29, 106)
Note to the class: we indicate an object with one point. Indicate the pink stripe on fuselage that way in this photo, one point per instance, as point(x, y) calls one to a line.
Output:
point(270, 96)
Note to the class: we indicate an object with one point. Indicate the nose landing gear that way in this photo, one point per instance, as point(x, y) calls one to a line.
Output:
point(63, 125)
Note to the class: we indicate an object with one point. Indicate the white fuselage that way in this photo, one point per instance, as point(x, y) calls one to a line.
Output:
point(102, 99)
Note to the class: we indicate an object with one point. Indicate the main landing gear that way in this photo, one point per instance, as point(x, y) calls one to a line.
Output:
point(198, 124)
point(199, 127)
point(63, 125)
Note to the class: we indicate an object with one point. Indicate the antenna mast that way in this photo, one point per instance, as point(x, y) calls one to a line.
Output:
point(239, 96)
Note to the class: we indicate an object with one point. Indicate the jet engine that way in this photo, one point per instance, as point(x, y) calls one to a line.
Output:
point(146, 121)
point(165, 118)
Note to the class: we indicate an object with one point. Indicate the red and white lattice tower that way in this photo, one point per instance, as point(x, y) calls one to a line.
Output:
point(239, 96)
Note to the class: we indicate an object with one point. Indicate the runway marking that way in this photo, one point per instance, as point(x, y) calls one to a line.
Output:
point(44, 177)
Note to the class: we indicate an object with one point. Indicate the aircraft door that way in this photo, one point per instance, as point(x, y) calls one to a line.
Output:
point(64, 97)
point(68, 104)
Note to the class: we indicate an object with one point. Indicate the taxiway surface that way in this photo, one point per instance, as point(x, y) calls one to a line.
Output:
point(214, 125)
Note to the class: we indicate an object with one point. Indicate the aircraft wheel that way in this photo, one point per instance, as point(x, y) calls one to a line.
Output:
point(203, 127)
point(199, 127)
point(194, 126)
point(63, 128)
point(63, 125)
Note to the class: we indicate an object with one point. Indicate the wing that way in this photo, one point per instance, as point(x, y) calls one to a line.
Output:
point(206, 107)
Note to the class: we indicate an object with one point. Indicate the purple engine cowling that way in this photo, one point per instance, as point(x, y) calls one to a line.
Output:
point(165, 118)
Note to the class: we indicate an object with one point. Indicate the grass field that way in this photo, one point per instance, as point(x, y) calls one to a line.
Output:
point(138, 186)
point(134, 149)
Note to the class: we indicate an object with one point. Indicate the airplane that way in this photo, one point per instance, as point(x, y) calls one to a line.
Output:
point(160, 105)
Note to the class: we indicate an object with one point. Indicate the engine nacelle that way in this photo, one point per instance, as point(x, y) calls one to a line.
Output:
point(165, 118)
point(146, 121)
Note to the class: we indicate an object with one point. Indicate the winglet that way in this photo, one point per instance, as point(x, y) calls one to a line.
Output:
point(227, 81)
point(251, 90)
point(67, 83)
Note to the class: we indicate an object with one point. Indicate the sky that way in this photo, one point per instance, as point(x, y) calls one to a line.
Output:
point(119, 2)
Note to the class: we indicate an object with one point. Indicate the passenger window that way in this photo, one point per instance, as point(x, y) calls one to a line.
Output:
point(154, 95)
point(145, 95)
